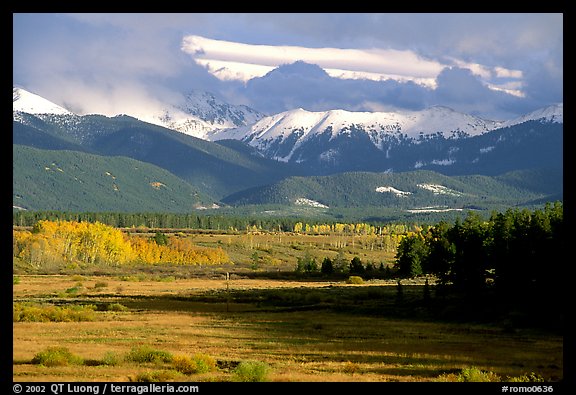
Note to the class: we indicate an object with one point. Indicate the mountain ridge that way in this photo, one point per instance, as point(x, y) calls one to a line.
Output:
point(281, 135)
point(336, 142)
point(216, 169)
point(414, 190)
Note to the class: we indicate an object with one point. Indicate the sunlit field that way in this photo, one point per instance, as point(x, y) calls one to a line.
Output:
point(205, 328)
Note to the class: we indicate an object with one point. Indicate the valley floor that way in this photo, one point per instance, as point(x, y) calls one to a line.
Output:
point(299, 329)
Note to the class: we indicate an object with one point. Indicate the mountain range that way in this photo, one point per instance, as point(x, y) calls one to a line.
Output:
point(336, 141)
point(211, 153)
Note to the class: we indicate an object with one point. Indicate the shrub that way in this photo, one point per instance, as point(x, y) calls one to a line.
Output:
point(252, 371)
point(116, 307)
point(111, 359)
point(474, 374)
point(73, 290)
point(143, 354)
point(527, 378)
point(56, 356)
point(355, 280)
point(204, 363)
point(184, 364)
point(199, 363)
point(24, 312)
point(15, 280)
point(351, 367)
point(157, 376)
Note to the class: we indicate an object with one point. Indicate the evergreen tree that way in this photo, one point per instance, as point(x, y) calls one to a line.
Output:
point(327, 266)
point(440, 256)
point(410, 255)
point(340, 264)
point(307, 264)
point(356, 266)
point(161, 239)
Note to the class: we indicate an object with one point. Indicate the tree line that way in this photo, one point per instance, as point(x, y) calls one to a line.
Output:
point(339, 265)
point(516, 250)
point(230, 223)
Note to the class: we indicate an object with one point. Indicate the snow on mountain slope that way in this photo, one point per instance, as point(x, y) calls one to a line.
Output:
point(31, 103)
point(392, 190)
point(439, 189)
point(201, 113)
point(279, 128)
point(198, 114)
point(553, 113)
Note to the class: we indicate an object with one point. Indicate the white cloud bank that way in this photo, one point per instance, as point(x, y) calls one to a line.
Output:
point(229, 60)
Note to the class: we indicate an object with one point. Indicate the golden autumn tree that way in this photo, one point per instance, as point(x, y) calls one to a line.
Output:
point(69, 242)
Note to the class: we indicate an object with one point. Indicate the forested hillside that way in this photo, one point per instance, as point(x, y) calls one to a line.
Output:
point(409, 190)
point(77, 181)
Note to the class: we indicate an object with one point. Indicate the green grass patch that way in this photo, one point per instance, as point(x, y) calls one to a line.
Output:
point(56, 356)
point(111, 359)
point(116, 307)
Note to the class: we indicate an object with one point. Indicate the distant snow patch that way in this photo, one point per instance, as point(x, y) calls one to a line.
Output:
point(212, 206)
point(330, 155)
point(309, 202)
point(393, 190)
point(437, 189)
point(443, 162)
point(487, 149)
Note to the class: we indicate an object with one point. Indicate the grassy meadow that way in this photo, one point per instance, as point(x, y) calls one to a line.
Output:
point(192, 324)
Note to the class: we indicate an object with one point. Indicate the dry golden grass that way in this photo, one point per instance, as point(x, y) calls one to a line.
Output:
point(298, 345)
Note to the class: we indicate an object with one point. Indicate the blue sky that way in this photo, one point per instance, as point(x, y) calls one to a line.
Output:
point(497, 66)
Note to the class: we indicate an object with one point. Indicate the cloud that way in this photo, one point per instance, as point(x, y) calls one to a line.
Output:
point(461, 89)
point(227, 59)
point(495, 65)
point(93, 63)
point(308, 86)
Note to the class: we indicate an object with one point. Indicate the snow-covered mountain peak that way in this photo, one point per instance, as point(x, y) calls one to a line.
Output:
point(197, 114)
point(553, 113)
point(412, 123)
point(31, 103)
point(200, 113)
point(209, 108)
point(295, 127)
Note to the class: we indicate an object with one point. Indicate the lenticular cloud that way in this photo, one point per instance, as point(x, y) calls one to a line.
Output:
point(229, 60)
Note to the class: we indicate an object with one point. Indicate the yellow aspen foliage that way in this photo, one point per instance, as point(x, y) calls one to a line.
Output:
point(64, 242)
point(298, 226)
